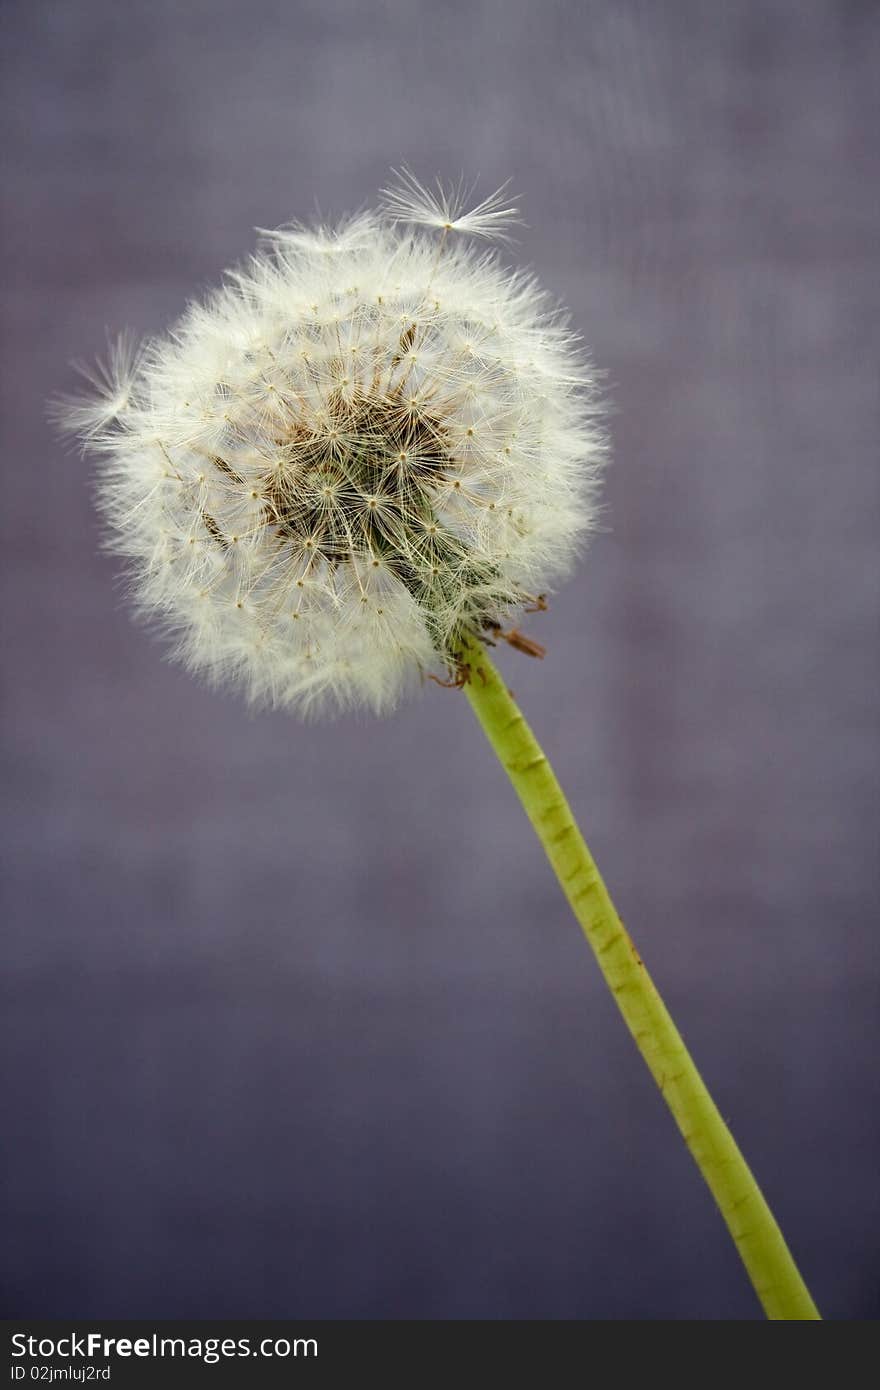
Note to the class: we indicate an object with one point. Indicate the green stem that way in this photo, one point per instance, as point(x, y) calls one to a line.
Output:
point(758, 1238)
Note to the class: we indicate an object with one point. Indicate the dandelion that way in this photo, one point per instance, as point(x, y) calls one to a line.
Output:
point(345, 471)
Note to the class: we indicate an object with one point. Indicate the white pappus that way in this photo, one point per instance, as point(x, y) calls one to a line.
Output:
point(371, 441)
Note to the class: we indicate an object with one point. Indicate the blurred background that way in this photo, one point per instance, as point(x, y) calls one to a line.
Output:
point(297, 1021)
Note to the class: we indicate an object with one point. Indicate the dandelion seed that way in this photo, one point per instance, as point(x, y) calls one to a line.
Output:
point(443, 207)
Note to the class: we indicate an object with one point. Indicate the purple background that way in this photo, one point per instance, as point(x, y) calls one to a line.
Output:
point(297, 1020)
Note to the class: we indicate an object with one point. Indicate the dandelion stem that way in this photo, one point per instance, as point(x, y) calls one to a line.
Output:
point(757, 1236)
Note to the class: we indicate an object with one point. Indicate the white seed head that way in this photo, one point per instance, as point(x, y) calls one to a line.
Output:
point(367, 445)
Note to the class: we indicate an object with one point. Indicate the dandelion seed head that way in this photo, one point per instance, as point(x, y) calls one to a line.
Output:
point(367, 445)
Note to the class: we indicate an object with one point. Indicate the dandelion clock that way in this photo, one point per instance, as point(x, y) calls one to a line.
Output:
point(349, 470)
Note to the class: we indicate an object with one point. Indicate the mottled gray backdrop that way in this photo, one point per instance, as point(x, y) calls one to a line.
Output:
point(297, 1020)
